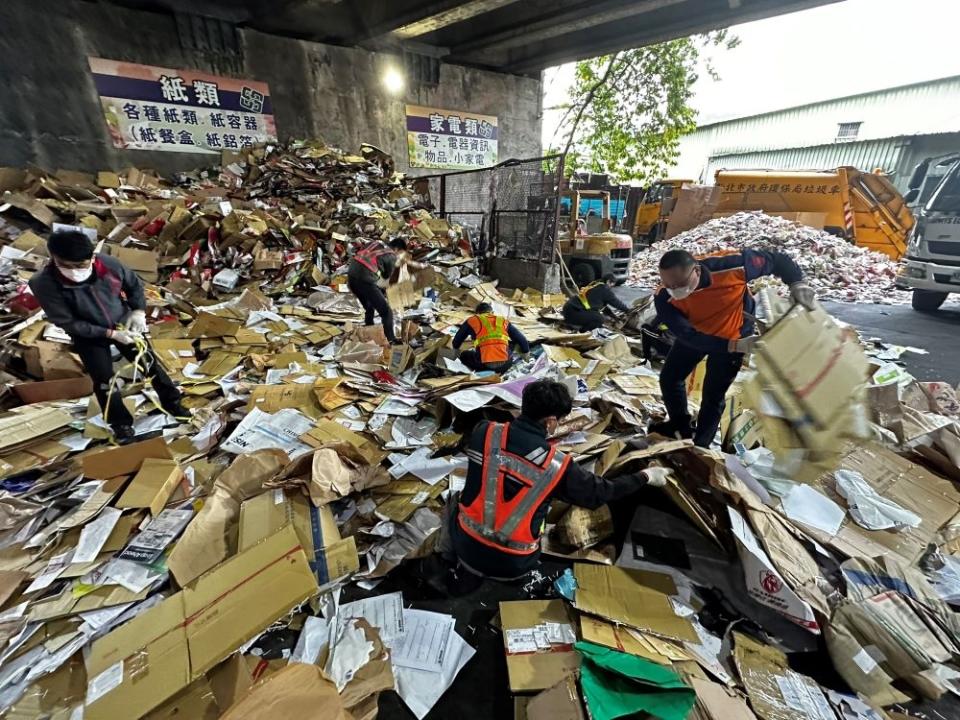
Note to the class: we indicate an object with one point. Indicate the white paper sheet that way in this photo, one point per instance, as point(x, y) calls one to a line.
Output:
point(95, 534)
point(421, 689)
point(385, 612)
point(314, 637)
point(805, 505)
point(423, 643)
point(259, 430)
point(57, 564)
point(75, 442)
point(469, 399)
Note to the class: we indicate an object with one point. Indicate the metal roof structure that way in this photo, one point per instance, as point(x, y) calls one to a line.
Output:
point(924, 108)
point(514, 36)
point(867, 130)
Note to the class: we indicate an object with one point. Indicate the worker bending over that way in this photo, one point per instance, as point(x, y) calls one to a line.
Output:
point(372, 267)
point(704, 302)
point(584, 311)
point(100, 304)
point(513, 474)
point(492, 336)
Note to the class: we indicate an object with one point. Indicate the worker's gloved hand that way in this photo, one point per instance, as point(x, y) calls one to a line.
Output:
point(743, 345)
point(803, 294)
point(657, 476)
point(137, 322)
point(124, 337)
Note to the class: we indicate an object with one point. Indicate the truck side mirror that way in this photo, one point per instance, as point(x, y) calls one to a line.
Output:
point(911, 195)
point(919, 172)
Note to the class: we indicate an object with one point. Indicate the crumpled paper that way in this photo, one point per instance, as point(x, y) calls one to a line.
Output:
point(870, 509)
point(835, 268)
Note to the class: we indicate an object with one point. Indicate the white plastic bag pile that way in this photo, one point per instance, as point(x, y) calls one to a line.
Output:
point(835, 268)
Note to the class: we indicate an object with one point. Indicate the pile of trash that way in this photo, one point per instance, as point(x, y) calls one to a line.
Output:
point(235, 565)
point(835, 268)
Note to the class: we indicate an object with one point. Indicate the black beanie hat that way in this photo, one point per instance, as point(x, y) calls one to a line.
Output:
point(71, 245)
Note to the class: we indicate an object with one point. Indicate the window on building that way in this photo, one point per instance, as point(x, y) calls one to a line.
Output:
point(848, 131)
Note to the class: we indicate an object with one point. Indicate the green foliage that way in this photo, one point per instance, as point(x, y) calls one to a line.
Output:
point(628, 111)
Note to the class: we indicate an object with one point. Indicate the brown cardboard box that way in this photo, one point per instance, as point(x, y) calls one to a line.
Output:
point(142, 262)
point(152, 486)
point(47, 390)
point(776, 692)
point(141, 664)
point(124, 460)
point(561, 702)
point(536, 671)
point(636, 598)
point(935, 499)
point(212, 535)
point(31, 424)
point(331, 557)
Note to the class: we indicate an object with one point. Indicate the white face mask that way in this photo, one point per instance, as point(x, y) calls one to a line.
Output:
point(686, 291)
point(76, 274)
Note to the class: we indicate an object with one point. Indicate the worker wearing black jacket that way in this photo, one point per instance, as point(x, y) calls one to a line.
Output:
point(584, 311)
point(100, 304)
point(371, 266)
point(706, 304)
point(512, 476)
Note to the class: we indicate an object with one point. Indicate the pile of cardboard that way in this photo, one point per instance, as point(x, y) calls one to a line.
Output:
point(234, 565)
point(834, 267)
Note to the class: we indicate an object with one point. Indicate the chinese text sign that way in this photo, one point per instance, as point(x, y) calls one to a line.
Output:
point(152, 108)
point(450, 139)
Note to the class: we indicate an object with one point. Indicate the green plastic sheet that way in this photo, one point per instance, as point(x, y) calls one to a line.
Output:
point(617, 685)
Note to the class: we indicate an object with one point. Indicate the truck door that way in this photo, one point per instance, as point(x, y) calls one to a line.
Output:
point(649, 211)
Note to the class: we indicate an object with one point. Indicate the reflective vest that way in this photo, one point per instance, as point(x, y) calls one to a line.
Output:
point(505, 524)
point(370, 254)
point(492, 339)
point(584, 291)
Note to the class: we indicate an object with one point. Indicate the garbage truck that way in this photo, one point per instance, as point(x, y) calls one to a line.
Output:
point(863, 207)
point(931, 268)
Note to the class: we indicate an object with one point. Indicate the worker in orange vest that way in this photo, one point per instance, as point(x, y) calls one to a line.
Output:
point(513, 473)
point(706, 303)
point(371, 267)
point(492, 336)
point(584, 312)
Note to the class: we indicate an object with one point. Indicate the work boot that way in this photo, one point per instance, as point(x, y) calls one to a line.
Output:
point(396, 342)
point(176, 409)
point(123, 434)
point(670, 429)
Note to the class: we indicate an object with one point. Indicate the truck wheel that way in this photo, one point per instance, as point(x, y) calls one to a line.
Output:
point(583, 274)
point(928, 300)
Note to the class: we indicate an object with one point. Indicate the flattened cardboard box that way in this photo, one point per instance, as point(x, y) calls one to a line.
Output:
point(139, 665)
point(124, 460)
point(48, 390)
point(152, 486)
point(536, 671)
point(330, 557)
point(636, 598)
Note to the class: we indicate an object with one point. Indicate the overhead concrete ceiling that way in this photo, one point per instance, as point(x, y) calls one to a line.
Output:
point(515, 36)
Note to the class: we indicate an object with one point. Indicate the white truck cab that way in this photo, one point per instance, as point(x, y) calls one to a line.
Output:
point(931, 266)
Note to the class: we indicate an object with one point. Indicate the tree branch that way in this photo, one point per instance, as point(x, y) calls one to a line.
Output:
point(588, 98)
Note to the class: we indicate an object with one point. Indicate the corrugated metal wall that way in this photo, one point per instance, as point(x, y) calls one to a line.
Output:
point(806, 136)
point(885, 154)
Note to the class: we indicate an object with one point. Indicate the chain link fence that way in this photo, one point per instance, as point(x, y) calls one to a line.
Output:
point(510, 210)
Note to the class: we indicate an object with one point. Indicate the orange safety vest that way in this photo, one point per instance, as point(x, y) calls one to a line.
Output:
point(370, 254)
point(492, 339)
point(505, 524)
point(717, 309)
point(584, 291)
